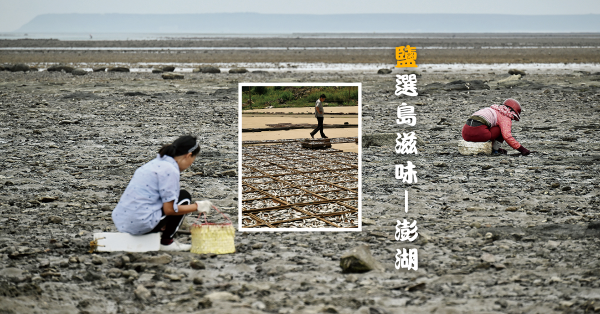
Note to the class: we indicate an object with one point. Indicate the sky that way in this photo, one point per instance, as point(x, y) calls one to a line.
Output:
point(15, 13)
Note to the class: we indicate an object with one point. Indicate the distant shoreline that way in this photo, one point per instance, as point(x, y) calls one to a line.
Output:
point(540, 48)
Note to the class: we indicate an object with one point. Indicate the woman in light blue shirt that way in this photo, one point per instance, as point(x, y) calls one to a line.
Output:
point(153, 200)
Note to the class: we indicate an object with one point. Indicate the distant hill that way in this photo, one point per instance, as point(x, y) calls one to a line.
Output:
point(252, 23)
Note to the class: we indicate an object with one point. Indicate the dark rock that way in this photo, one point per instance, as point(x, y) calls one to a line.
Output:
point(79, 71)
point(238, 70)
point(516, 72)
point(172, 76)
point(99, 69)
point(210, 69)
point(384, 71)
point(33, 69)
point(19, 67)
point(61, 67)
point(118, 69)
point(81, 95)
point(168, 68)
point(92, 275)
point(54, 220)
point(134, 94)
point(47, 199)
point(197, 280)
point(359, 260)
point(157, 71)
point(205, 303)
point(466, 85)
point(259, 72)
point(196, 264)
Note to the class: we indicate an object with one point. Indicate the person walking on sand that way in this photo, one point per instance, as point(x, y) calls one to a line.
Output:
point(153, 201)
point(319, 115)
point(494, 123)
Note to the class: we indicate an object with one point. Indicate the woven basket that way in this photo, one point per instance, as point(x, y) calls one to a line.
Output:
point(217, 238)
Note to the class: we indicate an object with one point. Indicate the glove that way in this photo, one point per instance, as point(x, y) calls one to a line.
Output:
point(524, 151)
point(204, 206)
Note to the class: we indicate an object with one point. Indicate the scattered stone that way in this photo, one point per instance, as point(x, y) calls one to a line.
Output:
point(238, 70)
point(196, 264)
point(555, 185)
point(13, 274)
point(98, 260)
point(489, 258)
point(329, 309)
point(228, 173)
point(142, 293)
point(257, 246)
point(99, 69)
point(368, 222)
point(61, 67)
point(566, 188)
point(79, 71)
point(118, 69)
point(209, 69)
point(155, 70)
point(258, 305)
point(55, 220)
point(475, 209)
point(384, 71)
point(92, 275)
point(516, 72)
point(160, 259)
point(512, 80)
point(173, 277)
point(205, 303)
point(172, 76)
point(440, 164)
point(47, 199)
point(198, 280)
point(20, 67)
point(511, 209)
point(222, 296)
point(134, 94)
point(168, 68)
point(359, 260)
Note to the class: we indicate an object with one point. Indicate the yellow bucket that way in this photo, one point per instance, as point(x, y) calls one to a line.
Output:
point(215, 238)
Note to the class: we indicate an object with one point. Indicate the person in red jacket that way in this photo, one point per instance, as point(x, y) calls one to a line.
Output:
point(494, 123)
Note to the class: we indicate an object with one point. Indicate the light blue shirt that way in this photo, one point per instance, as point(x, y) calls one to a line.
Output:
point(140, 207)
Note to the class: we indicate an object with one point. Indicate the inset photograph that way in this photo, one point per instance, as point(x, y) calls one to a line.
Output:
point(299, 157)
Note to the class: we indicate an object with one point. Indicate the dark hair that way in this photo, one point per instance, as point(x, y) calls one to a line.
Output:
point(180, 146)
point(323, 96)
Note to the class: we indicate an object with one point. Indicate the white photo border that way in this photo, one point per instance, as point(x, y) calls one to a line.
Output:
point(359, 229)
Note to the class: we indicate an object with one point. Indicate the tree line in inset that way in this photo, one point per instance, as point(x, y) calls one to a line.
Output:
point(259, 97)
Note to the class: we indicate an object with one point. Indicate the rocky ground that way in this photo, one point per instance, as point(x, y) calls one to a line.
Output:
point(507, 234)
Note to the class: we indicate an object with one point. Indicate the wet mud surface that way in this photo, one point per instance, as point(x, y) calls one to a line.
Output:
point(505, 234)
point(437, 48)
